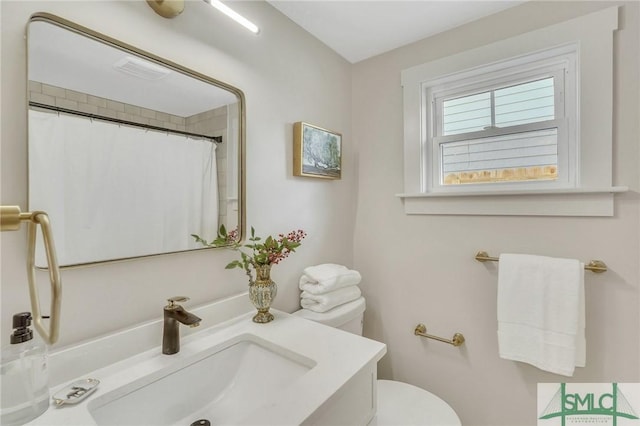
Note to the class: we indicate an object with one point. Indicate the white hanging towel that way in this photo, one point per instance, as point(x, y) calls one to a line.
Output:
point(320, 279)
point(541, 315)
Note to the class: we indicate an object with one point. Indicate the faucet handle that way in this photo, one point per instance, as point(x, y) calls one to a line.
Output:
point(172, 300)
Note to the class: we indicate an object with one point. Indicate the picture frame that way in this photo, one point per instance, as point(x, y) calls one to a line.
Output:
point(317, 152)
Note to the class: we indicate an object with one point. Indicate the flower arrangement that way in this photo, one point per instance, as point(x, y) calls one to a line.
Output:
point(269, 251)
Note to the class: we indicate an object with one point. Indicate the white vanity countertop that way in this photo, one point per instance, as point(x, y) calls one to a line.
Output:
point(337, 356)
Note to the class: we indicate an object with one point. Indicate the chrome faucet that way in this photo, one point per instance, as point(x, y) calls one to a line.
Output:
point(173, 314)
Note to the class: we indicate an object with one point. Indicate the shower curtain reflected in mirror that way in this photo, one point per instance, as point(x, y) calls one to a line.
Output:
point(106, 179)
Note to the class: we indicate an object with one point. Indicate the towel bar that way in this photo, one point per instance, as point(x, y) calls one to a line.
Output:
point(421, 330)
point(597, 266)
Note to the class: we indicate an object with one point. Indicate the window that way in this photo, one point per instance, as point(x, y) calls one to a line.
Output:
point(520, 126)
point(504, 125)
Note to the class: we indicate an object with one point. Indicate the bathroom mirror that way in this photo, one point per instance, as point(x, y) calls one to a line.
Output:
point(129, 153)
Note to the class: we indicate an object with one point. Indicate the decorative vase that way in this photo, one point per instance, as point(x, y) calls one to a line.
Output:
point(262, 291)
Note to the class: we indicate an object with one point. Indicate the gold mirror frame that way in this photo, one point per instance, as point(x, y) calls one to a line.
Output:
point(241, 142)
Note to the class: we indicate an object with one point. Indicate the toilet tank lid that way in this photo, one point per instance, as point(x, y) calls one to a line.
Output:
point(337, 316)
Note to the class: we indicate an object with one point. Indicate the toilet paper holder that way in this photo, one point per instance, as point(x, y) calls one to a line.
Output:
point(421, 330)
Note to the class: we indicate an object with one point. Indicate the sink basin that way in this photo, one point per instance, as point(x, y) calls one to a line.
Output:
point(221, 385)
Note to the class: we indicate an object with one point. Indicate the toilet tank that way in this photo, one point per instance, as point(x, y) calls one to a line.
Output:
point(348, 317)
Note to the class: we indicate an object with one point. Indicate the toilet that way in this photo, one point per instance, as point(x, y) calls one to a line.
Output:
point(398, 403)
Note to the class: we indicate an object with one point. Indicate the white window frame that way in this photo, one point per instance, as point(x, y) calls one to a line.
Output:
point(559, 63)
point(591, 193)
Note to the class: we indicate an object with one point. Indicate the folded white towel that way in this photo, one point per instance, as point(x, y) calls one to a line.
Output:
point(541, 312)
point(327, 277)
point(324, 302)
point(324, 271)
point(335, 317)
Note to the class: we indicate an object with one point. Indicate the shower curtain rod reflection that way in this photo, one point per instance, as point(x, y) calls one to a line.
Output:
point(216, 139)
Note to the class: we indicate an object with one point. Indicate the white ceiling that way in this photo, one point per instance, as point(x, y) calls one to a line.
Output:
point(360, 29)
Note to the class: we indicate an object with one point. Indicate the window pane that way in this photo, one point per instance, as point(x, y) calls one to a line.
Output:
point(518, 157)
point(466, 114)
point(525, 103)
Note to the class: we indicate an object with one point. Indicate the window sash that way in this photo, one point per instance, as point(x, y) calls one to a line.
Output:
point(564, 167)
point(555, 70)
point(530, 156)
point(528, 102)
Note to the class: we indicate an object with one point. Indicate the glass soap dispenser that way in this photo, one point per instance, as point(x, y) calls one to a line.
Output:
point(24, 375)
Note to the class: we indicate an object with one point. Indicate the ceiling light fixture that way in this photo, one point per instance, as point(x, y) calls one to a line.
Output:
point(234, 15)
point(167, 8)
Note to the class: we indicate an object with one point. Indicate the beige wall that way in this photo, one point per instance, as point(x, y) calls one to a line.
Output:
point(415, 268)
point(286, 75)
point(421, 268)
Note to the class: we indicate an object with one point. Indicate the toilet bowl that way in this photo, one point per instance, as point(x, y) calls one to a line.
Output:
point(404, 404)
point(398, 403)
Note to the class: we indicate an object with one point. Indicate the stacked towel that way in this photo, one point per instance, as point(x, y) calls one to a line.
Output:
point(327, 286)
point(541, 316)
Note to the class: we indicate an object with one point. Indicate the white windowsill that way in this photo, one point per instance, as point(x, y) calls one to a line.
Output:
point(555, 202)
point(613, 189)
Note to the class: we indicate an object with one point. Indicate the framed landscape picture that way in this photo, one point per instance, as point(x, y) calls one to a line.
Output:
point(317, 152)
